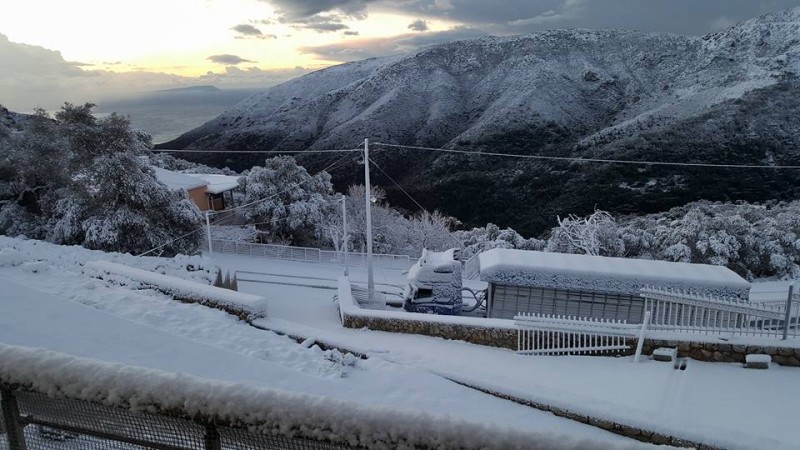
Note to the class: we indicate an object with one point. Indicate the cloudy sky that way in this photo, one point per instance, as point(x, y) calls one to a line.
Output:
point(89, 50)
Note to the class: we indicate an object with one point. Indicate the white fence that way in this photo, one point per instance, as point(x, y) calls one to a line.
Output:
point(683, 312)
point(548, 334)
point(308, 254)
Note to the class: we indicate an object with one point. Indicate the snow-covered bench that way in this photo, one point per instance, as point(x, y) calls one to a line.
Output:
point(245, 306)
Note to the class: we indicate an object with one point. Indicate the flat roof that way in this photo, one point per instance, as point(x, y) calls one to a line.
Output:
point(545, 269)
point(177, 181)
point(217, 183)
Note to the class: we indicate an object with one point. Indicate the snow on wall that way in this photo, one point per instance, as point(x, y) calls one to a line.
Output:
point(261, 410)
point(247, 306)
point(606, 274)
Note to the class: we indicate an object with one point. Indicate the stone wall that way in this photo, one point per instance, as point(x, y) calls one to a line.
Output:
point(725, 352)
point(494, 337)
point(507, 338)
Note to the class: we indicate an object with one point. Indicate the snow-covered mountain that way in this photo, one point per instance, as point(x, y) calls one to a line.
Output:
point(732, 96)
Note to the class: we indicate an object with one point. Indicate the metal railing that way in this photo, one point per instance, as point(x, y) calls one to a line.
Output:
point(685, 312)
point(549, 334)
point(309, 254)
point(35, 421)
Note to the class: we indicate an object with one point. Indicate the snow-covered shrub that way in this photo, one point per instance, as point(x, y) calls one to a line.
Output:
point(593, 235)
point(491, 236)
point(287, 200)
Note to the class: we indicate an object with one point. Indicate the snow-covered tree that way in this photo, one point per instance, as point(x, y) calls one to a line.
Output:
point(287, 202)
point(491, 236)
point(594, 235)
point(86, 181)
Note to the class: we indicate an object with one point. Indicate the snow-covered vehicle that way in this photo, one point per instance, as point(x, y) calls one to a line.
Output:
point(434, 283)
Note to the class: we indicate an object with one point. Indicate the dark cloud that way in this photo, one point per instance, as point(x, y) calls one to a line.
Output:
point(418, 25)
point(249, 31)
point(691, 17)
point(369, 48)
point(321, 23)
point(292, 10)
point(350, 33)
point(322, 16)
point(228, 60)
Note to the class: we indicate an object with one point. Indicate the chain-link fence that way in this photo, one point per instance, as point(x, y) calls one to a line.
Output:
point(36, 421)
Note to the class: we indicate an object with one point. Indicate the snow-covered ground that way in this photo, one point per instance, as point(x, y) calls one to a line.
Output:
point(49, 303)
point(715, 403)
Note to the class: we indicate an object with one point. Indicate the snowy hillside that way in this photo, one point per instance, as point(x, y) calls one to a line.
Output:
point(727, 96)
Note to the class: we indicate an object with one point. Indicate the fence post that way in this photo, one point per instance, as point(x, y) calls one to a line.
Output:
point(642, 332)
point(14, 428)
point(788, 317)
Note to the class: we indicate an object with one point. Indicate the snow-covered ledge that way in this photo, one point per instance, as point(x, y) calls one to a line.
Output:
point(245, 306)
point(258, 409)
point(476, 330)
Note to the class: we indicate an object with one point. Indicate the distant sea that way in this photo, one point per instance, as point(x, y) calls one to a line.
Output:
point(167, 114)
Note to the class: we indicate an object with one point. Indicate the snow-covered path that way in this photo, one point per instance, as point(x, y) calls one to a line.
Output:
point(714, 403)
point(54, 306)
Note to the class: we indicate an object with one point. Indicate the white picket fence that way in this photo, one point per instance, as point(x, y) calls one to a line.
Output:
point(548, 334)
point(684, 312)
point(309, 254)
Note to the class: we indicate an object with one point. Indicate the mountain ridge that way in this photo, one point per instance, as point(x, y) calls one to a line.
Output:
point(586, 93)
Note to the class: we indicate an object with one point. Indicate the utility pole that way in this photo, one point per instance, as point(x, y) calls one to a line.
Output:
point(208, 232)
point(345, 237)
point(368, 199)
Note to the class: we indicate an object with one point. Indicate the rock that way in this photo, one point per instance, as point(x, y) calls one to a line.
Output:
point(590, 77)
point(665, 354)
point(754, 361)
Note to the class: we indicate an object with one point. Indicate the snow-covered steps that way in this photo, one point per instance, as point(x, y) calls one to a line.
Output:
point(246, 306)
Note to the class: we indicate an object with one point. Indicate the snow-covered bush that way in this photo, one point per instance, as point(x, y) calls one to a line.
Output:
point(594, 235)
point(491, 236)
point(288, 202)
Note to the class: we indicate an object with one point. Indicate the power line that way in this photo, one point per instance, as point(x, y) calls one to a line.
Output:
point(242, 206)
point(331, 166)
point(593, 160)
point(233, 152)
point(170, 242)
point(449, 234)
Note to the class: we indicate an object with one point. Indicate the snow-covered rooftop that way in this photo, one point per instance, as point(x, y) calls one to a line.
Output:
point(177, 180)
point(217, 183)
point(602, 273)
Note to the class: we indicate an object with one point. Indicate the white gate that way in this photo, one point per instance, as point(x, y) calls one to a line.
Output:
point(548, 334)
